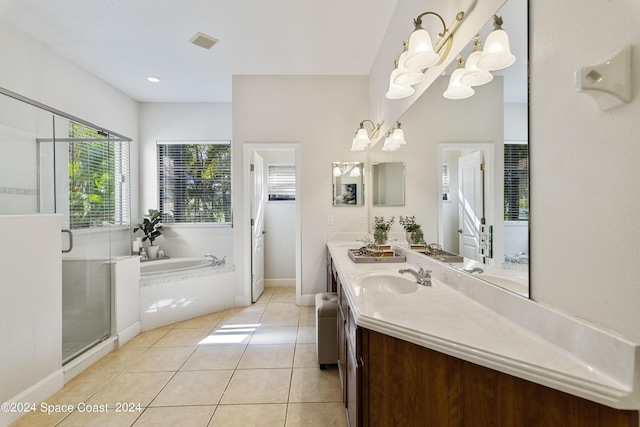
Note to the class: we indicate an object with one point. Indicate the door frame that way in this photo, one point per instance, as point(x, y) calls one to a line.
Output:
point(248, 149)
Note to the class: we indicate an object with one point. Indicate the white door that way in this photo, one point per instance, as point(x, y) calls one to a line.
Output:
point(257, 227)
point(470, 192)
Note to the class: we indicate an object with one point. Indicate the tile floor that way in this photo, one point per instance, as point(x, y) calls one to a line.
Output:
point(250, 366)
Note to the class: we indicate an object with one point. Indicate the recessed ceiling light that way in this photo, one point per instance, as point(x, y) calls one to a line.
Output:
point(153, 79)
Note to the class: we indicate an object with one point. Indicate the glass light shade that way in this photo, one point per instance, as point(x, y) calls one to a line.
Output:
point(361, 140)
point(397, 137)
point(474, 76)
point(389, 146)
point(398, 91)
point(457, 90)
point(336, 171)
point(496, 54)
point(405, 76)
point(420, 54)
point(355, 172)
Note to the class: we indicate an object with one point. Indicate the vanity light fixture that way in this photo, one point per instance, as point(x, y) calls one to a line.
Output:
point(496, 54)
point(405, 76)
point(456, 89)
point(398, 91)
point(418, 54)
point(363, 135)
point(395, 138)
point(474, 76)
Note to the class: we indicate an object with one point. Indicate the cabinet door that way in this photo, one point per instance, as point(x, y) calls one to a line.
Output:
point(352, 388)
point(342, 353)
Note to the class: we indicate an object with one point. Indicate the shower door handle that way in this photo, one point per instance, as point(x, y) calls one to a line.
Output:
point(66, 251)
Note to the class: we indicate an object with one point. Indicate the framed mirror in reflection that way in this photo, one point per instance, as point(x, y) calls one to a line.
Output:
point(467, 169)
point(387, 183)
point(348, 183)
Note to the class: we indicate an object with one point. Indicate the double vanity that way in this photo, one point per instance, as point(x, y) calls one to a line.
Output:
point(462, 352)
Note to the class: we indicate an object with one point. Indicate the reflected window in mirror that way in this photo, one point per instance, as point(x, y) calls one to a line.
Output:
point(348, 183)
point(388, 183)
point(516, 203)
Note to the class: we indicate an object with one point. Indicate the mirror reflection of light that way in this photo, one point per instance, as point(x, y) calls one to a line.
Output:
point(230, 334)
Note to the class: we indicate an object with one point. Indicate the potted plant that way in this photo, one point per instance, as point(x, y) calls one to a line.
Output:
point(152, 229)
point(381, 229)
point(414, 233)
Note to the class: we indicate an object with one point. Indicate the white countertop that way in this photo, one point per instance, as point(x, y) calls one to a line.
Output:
point(446, 320)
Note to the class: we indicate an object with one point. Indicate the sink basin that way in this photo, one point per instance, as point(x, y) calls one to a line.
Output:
point(387, 283)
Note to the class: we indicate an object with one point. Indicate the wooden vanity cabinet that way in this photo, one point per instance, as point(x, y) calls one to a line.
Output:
point(387, 381)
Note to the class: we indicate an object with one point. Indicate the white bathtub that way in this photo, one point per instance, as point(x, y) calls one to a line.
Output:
point(163, 266)
point(177, 289)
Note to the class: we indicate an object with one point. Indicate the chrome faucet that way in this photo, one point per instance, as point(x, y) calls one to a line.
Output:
point(473, 270)
point(423, 277)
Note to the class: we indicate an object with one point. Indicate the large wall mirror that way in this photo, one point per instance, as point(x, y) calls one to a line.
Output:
point(348, 183)
point(387, 182)
point(467, 168)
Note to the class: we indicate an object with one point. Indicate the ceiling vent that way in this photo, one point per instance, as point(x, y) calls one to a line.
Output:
point(204, 40)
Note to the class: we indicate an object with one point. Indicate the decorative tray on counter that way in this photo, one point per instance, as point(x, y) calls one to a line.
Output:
point(384, 255)
point(434, 250)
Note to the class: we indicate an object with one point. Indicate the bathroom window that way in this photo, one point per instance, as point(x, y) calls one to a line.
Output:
point(194, 181)
point(99, 181)
point(281, 182)
point(516, 181)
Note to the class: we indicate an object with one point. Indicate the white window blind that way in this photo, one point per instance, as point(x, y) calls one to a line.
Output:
point(281, 182)
point(194, 181)
point(99, 179)
point(516, 181)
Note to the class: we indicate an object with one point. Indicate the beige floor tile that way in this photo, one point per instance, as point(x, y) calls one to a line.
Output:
point(283, 297)
point(183, 337)
point(279, 319)
point(214, 357)
point(316, 415)
point(158, 359)
point(315, 385)
point(176, 416)
point(274, 335)
point(267, 356)
point(265, 415)
point(189, 388)
point(307, 319)
point(231, 333)
point(148, 338)
point(208, 321)
point(258, 386)
point(282, 308)
point(104, 419)
point(116, 361)
point(80, 388)
point(138, 387)
point(306, 335)
point(305, 356)
point(39, 419)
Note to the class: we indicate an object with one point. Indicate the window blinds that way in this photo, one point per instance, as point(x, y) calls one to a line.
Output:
point(281, 182)
point(516, 182)
point(194, 181)
point(99, 182)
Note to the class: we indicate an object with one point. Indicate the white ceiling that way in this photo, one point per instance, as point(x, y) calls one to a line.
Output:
point(125, 41)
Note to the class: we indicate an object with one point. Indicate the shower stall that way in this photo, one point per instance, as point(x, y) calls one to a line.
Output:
point(53, 162)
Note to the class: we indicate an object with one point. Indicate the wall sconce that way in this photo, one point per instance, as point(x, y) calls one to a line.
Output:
point(473, 75)
point(419, 54)
point(395, 138)
point(363, 135)
point(496, 54)
point(456, 89)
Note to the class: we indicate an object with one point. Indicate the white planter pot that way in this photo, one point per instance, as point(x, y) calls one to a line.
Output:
point(152, 251)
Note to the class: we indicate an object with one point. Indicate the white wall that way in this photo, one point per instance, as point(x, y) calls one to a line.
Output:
point(183, 122)
point(30, 310)
point(321, 114)
point(584, 165)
